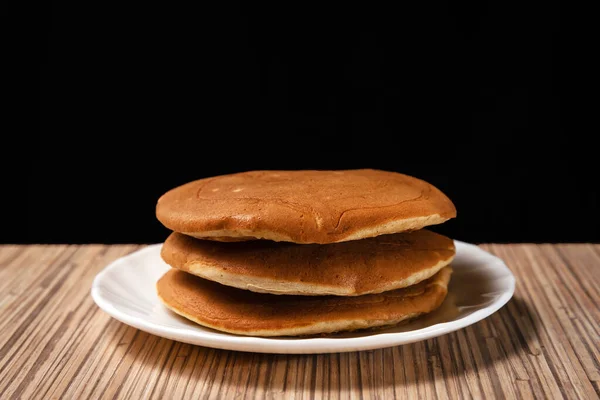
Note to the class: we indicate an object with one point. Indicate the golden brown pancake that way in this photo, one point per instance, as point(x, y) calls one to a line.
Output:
point(303, 206)
point(352, 268)
point(258, 314)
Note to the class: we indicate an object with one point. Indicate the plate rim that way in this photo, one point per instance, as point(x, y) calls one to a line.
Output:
point(320, 345)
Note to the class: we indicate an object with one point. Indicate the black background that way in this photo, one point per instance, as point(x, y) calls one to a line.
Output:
point(138, 98)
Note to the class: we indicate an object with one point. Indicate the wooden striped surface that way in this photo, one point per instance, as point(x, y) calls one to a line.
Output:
point(56, 343)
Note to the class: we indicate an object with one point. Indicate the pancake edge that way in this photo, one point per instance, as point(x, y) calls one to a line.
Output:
point(270, 286)
point(395, 226)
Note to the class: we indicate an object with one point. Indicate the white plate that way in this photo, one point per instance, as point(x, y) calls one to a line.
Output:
point(125, 289)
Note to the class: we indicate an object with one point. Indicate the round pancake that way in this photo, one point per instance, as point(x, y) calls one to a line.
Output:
point(303, 206)
point(258, 314)
point(352, 268)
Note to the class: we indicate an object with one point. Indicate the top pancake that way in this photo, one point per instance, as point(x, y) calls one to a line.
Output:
point(303, 206)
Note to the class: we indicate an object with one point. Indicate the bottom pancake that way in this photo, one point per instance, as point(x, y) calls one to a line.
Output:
point(243, 312)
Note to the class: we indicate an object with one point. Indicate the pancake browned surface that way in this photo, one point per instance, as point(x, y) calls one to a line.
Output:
point(258, 314)
point(303, 206)
point(351, 268)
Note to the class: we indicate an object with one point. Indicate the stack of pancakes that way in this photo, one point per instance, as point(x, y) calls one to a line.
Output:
point(274, 253)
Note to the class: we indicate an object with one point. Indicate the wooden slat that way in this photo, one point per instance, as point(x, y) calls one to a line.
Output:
point(56, 343)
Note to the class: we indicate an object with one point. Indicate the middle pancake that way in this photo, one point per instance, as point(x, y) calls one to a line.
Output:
point(353, 268)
